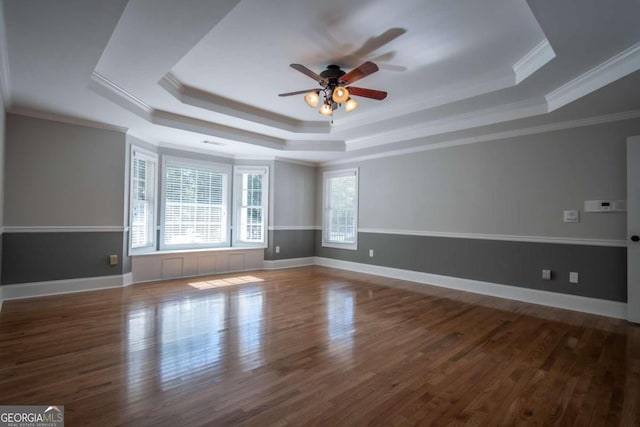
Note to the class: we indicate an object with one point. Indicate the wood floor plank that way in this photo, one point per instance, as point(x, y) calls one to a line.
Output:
point(315, 346)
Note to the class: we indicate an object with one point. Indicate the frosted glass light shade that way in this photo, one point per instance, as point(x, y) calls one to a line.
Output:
point(326, 110)
point(351, 105)
point(340, 94)
point(312, 99)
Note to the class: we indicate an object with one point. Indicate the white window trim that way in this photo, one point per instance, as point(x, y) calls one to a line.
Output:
point(138, 152)
point(238, 170)
point(325, 199)
point(191, 163)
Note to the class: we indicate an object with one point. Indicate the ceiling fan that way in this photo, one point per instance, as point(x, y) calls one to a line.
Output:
point(336, 88)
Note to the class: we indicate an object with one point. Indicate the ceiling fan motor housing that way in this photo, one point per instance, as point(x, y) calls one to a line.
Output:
point(332, 73)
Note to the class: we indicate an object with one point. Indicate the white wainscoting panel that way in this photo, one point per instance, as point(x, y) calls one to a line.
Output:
point(158, 266)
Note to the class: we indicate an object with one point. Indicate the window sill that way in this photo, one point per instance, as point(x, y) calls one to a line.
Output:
point(199, 250)
point(347, 246)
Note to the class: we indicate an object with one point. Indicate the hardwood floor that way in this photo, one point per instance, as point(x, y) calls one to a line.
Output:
point(315, 346)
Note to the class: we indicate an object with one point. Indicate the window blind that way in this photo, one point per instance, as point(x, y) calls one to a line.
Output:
point(341, 208)
point(143, 201)
point(251, 205)
point(195, 209)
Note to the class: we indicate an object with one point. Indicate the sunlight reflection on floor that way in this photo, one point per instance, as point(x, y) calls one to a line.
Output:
point(229, 281)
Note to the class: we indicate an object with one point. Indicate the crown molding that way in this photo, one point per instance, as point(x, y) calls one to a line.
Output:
point(191, 149)
point(484, 84)
point(489, 116)
point(312, 145)
point(535, 59)
point(71, 120)
point(384, 130)
point(112, 88)
point(614, 68)
point(551, 127)
point(296, 162)
point(221, 105)
point(5, 80)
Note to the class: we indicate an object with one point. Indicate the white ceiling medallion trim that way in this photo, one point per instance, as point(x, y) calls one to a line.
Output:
point(45, 115)
point(614, 68)
point(505, 237)
point(533, 61)
point(209, 101)
point(64, 229)
point(627, 115)
point(5, 81)
point(107, 84)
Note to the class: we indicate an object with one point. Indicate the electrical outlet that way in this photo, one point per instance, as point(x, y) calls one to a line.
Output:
point(113, 259)
point(546, 274)
point(371, 253)
point(573, 277)
point(277, 249)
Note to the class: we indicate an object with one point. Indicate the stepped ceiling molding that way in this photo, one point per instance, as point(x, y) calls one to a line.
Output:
point(180, 73)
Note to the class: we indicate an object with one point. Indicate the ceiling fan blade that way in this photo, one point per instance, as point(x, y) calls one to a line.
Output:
point(367, 93)
point(307, 72)
point(298, 92)
point(359, 72)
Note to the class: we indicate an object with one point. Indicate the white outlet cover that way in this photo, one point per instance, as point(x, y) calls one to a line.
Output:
point(571, 216)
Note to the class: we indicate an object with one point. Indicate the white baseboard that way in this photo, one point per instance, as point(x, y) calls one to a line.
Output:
point(570, 302)
point(607, 308)
point(55, 287)
point(127, 279)
point(289, 263)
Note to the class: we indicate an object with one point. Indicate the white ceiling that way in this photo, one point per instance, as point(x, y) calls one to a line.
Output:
point(179, 73)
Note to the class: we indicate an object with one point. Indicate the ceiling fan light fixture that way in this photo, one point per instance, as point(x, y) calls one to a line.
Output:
point(326, 110)
point(312, 99)
point(340, 94)
point(351, 105)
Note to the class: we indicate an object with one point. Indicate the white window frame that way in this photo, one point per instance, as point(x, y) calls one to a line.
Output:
point(238, 171)
point(325, 208)
point(190, 163)
point(141, 153)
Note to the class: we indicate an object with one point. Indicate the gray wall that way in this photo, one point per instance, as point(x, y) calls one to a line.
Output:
point(41, 257)
point(294, 198)
point(602, 269)
point(2, 156)
point(293, 202)
point(59, 174)
point(517, 186)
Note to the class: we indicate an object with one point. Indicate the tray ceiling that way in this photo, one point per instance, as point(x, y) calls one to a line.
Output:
point(180, 73)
